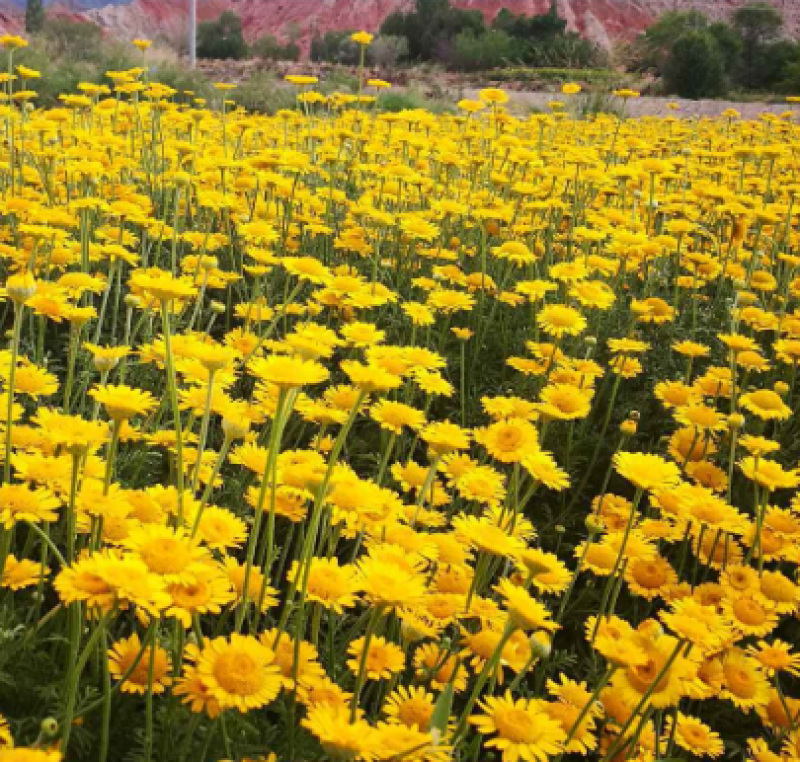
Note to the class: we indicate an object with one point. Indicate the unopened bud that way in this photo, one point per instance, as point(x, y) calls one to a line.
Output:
point(593, 525)
point(735, 421)
point(782, 388)
point(540, 644)
point(21, 287)
point(235, 428)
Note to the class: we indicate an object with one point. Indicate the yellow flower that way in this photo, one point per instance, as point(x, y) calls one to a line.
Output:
point(362, 38)
point(494, 96)
point(238, 672)
point(647, 472)
point(382, 659)
point(524, 612)
point(521, 728)
point(123, 402)
point(126, 653)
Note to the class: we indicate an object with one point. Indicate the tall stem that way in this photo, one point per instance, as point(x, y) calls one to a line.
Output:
point(12, 374)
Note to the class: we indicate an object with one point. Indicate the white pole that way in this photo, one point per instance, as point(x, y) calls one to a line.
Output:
point(192, 33)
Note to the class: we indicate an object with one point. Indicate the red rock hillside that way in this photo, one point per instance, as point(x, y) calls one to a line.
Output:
point(600, 20)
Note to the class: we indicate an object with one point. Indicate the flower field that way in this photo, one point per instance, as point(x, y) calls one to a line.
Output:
point(347, 435)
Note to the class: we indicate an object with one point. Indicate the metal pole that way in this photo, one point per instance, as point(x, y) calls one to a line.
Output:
point(192, 33)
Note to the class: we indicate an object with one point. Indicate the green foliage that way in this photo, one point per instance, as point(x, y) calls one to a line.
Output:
point(186, 81)
point(268, 48)
point(34, 16)
point(605, 77)
point(471, 52)
point(263, 93)
point(758, 26)
point(749, 49)
point(387, 51)
point(335, 46)
point(221, 39)
point(541, 28)
point(68, 52)
point(410, 100)
point(659, 38)
point(431, 29)
point(729, 43)
point(790, 82)
point(72, 40)
point(436, 31)
point(774, 64)
point(695, 67)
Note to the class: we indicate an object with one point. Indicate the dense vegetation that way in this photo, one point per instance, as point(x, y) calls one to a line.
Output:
point(696, 57)
point(461, 39)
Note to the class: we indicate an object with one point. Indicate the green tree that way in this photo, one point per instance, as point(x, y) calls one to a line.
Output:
point(757, 24)
point(695, 66)
point(222, 39)
point(432, 27)
point(34, 16)
point(729, 42)
point(774, 64)
point(654, 46)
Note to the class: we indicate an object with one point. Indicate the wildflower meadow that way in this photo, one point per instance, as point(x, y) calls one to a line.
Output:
point(341, 434)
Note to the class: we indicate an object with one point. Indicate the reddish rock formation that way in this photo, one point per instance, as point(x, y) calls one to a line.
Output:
point(601, 20)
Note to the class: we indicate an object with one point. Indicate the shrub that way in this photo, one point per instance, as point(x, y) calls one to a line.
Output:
point(268, 48)
point(471, 52)
point(335, 47)
point(695, 68)
point(263, 93)
point(387, 51)
point(222, 39)
point(65, 38)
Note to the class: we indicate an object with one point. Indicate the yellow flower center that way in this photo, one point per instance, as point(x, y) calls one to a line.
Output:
point(166, 556)
point(516, 725)
point(237, 673)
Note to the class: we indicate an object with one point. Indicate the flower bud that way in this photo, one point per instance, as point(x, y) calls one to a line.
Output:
point(540, 644)
point(782, 388)
point(593, 525)
point(49, 727)
point(235, 428)
point(735, 421)
point(218, 308)
point(411, 634)
point(21, 287)
point(105, 364)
